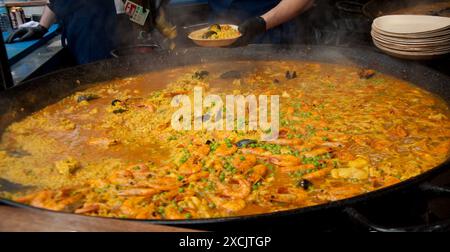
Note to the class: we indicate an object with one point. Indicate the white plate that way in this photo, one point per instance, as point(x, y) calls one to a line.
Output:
point(409, 53)
point(423, 41)
point(413, 35)
point(411, 57)
point(403, 55)
point(413, 42)
point(411, 24)
point(413, 48)
point(195, 36)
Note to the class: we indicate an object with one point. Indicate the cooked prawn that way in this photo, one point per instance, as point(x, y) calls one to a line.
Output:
point(257, 173)
point(144, 192)
point(244, 162)
point(284, 160)
point(223, 150)
point(237, 188)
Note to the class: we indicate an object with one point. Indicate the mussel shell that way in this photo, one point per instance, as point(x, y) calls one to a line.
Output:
point(200, 74)
point(114, 102)
point(119, 111)
point(204, 118)
point(215, 28)
point(208, 34)
point(291, 75)
point(87, 97)
point(17, 153)
point(245, 142)
point(231, 75)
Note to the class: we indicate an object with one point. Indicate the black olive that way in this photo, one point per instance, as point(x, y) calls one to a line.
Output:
point(87, 97)
point(200, 74)
point(288, 75)
point(305, 184)
point(231, 75)
point(245, 142)
point(114, 102)
point(208, 34)
point(209, 142)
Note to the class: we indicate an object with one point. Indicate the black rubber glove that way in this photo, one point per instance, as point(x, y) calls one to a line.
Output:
point(27, 33)
point(250, 29)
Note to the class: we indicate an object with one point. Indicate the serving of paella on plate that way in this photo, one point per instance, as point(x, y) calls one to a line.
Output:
point(216, 35)
point(110, 150)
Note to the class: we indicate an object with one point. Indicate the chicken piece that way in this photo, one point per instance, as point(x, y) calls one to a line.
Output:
point(358, 163)
point(357, 169)
point(350, 173)
point(67, 166)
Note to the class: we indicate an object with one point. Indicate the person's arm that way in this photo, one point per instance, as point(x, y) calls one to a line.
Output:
point(285, 11)
point(48, 18)
point(31, 33)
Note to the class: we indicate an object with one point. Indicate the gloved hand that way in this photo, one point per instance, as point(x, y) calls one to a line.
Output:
point(27, 33)
point(250, 29)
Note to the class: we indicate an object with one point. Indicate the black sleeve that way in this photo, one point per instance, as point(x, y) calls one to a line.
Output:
point(66, 7)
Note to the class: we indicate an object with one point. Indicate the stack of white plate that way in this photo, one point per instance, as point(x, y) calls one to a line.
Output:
point(412, 36)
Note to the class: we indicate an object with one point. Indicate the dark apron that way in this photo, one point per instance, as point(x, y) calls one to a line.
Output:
point(236, 11)
point(89, 26)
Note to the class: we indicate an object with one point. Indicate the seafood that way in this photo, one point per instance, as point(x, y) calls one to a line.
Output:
point(110, 150)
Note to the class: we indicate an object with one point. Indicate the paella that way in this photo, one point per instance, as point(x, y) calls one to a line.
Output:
point(110, 149)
